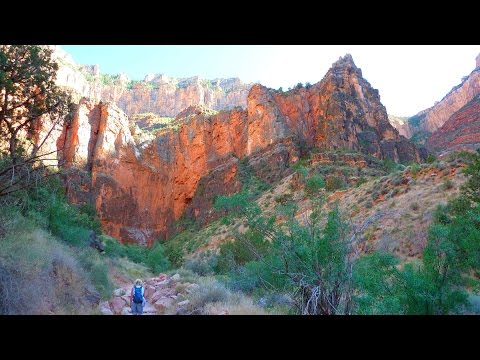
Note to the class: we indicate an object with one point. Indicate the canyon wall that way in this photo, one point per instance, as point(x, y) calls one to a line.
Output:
point(140, 190)
point(432, 119)
point(157, 93)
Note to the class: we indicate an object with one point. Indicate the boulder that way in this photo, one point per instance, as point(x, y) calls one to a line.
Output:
point(162, 304)
point(117, 304)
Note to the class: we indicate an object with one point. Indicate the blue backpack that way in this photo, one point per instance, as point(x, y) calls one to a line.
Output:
point(137, 295)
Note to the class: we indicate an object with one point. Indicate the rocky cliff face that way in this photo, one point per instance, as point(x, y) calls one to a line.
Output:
point(341, 111)
point(432, 119)
point(402, 125)
point(460, 132)
point(159, 94)
point(140, 189)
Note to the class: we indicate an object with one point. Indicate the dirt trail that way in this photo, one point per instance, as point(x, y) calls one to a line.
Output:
point(162, 293)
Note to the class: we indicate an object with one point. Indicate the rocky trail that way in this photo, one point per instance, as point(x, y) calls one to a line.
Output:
point(164, 294)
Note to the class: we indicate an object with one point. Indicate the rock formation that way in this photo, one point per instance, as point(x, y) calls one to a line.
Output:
point(460, 132)
point(430, 120)
point(140, 190)
point(159, 94)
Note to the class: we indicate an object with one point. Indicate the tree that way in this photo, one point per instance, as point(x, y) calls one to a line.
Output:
point(438, 283)
point(311, 261)
point(28, 94)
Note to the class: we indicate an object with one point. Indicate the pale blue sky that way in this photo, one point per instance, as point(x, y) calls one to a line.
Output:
point(409, 78)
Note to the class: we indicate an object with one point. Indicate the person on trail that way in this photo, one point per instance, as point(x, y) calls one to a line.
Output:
point(137, 298)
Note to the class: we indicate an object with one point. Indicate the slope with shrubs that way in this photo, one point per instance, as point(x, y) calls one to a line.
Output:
point(401, 241)
point(47, 265)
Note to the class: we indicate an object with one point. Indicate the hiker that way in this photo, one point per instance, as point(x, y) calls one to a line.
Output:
point(137, 298)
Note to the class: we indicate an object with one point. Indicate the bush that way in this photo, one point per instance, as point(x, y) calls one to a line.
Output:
point(245, 248)
point(447, 184)
point(334, 183)
point(112, 247)
point(203, 264)
point(174, 253)
point(97, 271)
point(362, 180)
point(414, 206)
point(431, 159)
point(414, 169)
point(156, 259)
point(136, 253)
point(209, 291)
point(314, 184)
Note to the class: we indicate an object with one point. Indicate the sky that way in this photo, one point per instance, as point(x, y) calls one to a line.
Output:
point(410, 78)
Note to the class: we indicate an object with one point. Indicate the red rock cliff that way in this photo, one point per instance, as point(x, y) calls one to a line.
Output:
point(159, 94)
point(434, 118)
point(460, 132)
point(140, 190)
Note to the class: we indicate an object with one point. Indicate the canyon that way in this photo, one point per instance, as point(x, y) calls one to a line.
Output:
point(141, 189)
point(157, 93)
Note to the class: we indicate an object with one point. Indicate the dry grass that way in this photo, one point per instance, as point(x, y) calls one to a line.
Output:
point(404, 232)
point(213, 298)
point(39, 275)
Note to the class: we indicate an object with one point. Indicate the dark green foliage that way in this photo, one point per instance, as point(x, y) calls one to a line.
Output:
point(27, 85)
point(414, 169)
point(431, 158)
point(420, 137)
point(48, 206)
point(449, 266)
point(471, 189)
point(308, 261)
point(415, 120)
point(389, 165)
point(247, 247)
point(362, 180)
point(314, 184)
point(156, 259)
point(98, 271)
point(250, 182)
point(174, 254)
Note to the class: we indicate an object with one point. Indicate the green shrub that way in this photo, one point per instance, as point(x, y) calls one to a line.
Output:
point(203, 264)
point(245, 248)
point(447, 184)
point(362, 180)
point(314, 184)
point(334, 183)
point(97, 271)
point(136, 253)
point(174, 253)
point(209, 291)
point(156, 259)
point(414, 169)
point(414, 206)
point(431, 158)
point(112, 247)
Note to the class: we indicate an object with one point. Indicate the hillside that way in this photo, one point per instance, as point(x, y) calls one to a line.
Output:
point(305, 202)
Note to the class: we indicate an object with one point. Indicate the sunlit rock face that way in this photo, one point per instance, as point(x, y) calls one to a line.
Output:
point(140, 190)
point(432, 119)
